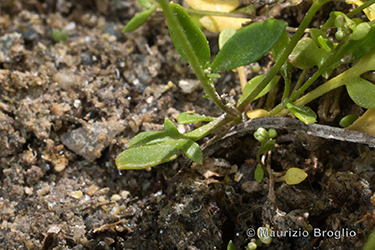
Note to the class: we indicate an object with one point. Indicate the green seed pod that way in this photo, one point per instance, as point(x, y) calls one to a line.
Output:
point(272, 133)
point(360, 32)
point(261, 134)
point(348, 120)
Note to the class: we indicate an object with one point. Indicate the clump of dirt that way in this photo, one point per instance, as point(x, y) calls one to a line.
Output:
point(68, 108)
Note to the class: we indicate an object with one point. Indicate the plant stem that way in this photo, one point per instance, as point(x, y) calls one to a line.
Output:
point(216, 13)
point(301, 29)
point(310, 81)
point(207, 129)
point(300, 80)
point(360, 8)
point(193, 60)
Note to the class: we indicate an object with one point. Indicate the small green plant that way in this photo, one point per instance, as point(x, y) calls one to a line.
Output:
point(267, 143)
point(59, 35)
point(354, 42)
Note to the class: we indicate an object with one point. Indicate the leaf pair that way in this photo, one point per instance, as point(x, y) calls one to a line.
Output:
point(246, 46)
point(152, 148)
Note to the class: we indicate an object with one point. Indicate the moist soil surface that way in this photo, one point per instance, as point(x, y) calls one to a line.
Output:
point(68, 108)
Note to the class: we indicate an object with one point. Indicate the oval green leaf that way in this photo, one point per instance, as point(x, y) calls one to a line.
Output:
point(361, 91)
point(195, 36)
point(192, 150)
point(303, 113)
point(186, 118)
point(268, 146)
point(153, 137)
point(307, 54)
point(138, 20)
point(148, 156)
point(253, 83)
point(293, 176)
point(248, 45)
point(259, 173)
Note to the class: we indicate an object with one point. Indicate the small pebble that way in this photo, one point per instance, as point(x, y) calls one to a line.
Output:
point(115, 197)
point(76, 194)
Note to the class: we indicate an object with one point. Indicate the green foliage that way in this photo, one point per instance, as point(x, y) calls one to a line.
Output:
point(59, 35)
point(355, 42)
point(293, 176)
point(303, 113)
point(248, 45)
point(185, 118)
point(348, 120)
point(253, 83)
point(259, 173)
point(195, 36)
point(152, 148)
point(231, 246)
point(307, 54)
point(138, 20)
point(266, 144)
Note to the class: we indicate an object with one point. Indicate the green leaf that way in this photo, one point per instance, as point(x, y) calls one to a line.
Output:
point(253, 83)
point(148, 156)
point(293, 176)
point(185, 118)
point(248, 45)
point(214, 75)
point(321, 39)
point(145, 4)
point(195, 36)
point(192, 150)
point(259, 173)
point(59, 35)
point(171, 129)
point(306, 54)
point(277, 50)
point(138, 20)
point(280, 45)
point(303, 113)
point(149, 137)
point(153, 137)
point(268, 146)
point(231, 246)
point(361, 91)
point(151, 155)
point(204, 130)
point(348, 120)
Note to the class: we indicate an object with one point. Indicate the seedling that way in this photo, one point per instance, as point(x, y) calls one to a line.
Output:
point(354, 43)
point(266, 144)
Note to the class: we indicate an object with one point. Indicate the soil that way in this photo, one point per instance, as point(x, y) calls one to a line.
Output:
point(68, 108)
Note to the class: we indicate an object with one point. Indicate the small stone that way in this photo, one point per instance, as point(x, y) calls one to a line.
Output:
point(124, 194)
point(92, 190)
point(76, 194)
point(115, 197)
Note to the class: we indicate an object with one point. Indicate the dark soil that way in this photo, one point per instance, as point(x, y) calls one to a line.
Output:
point(68, 109)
